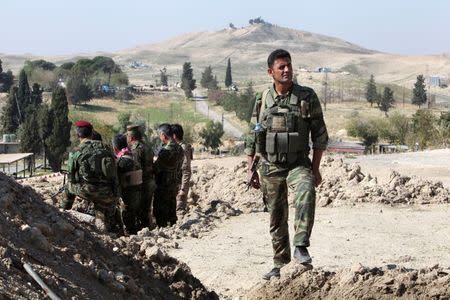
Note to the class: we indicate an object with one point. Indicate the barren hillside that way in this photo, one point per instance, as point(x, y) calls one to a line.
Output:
point(248, 48)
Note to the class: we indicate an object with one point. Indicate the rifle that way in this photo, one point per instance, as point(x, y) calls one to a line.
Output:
point(62, 188)
point(252, 179)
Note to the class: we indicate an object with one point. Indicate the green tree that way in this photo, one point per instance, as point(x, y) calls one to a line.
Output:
point(58, 139)
point(6, 81)
point(387, 101)
point(10, 118)
point(400, 127)
point(105, 65)
point(371, 91)
point(1, 68)
point(419, 92)
point(444, 128)
point(187, 80)
point(244, 108)
point(124, 120)
point(228, 77)
point(23, 95)
point(208, 81)
point(424, 127)
point(77, 90)
point(365, 130)
point(211, 135)
point(36, 96)
point(29, 134)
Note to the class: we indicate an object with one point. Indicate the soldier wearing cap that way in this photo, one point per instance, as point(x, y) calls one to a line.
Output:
point(92, 177)
point(143, 154)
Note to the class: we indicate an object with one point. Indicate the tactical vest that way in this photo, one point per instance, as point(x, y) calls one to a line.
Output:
point(132, 177)
point(284, 137)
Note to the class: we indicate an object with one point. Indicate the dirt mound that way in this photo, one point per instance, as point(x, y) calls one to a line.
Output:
point(77, 262)
point(357, 282)
point(345, 184)
point(216, 194)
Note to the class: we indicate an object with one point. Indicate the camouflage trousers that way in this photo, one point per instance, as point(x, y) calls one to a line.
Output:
point(165, 205)
point(107, 212)
point(145, 216)
point(131, 198)
point(274, 184)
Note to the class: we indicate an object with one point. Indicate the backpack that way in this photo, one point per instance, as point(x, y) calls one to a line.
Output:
point(96, 164)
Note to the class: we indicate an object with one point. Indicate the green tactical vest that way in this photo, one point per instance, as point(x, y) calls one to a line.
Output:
point(285, 138)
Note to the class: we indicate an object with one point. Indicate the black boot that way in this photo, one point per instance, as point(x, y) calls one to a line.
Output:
point(301, 254)
point(275, 272)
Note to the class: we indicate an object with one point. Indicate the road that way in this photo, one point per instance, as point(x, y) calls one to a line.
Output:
point(202, 107)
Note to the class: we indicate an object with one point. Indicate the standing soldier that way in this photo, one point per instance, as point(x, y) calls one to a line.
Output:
point(288, 115)
point(143, 154)
point(184, 176)
point(92, 176)
point(129, 173)
point(167, 167)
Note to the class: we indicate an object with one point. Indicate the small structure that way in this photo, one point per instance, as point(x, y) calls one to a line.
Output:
point(13, 159)
point(9, 144)
point(434, 80)
point(389, 148)
point(346, 147)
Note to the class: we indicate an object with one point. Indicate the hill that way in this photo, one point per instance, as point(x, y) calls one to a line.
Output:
point(248, 48)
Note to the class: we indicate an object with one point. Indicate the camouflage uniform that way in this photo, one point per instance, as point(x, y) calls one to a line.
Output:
point(143, 154)
point(184, 175)
point(294, 172)
point(129, 173)
point(92, 186)
point(166, 168)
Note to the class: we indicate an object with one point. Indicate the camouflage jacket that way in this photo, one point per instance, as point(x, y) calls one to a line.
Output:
point(168, 163)
point(143, 154)
point(89, 182)
point(312, 112)
point(185, 170)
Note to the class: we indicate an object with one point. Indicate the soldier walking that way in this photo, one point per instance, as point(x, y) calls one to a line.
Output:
point(167, 165)
point(288, 115)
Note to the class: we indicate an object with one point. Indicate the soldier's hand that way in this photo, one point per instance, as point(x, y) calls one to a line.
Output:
point(317, 177)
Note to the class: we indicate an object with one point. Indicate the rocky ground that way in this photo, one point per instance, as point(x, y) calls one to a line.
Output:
point(223, 237)
point(77, 262)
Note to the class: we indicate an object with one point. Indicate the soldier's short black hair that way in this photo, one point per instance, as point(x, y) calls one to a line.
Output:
point(166, 129)
point(84, 132)
point(119, 141)
point(279, 53)
point(177, 130)
point(136, 133)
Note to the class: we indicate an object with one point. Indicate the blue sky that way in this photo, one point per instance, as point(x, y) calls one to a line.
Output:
point(48, 27)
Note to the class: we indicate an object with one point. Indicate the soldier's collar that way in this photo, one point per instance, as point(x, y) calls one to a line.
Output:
point(276, 96)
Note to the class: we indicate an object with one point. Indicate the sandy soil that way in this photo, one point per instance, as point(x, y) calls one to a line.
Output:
point(232, 258)
point(430, 165)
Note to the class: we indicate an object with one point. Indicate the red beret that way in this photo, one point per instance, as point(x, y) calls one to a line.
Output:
point(83, 123)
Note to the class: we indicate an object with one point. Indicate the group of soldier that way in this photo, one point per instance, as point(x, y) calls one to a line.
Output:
point(129, 186)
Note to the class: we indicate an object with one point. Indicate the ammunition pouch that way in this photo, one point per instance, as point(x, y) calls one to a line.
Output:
point(282, 140)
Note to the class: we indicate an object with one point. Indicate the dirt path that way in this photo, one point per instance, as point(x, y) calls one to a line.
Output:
point(232, 258)
point(204, 108)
